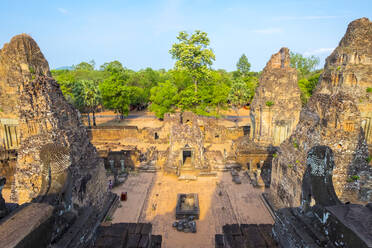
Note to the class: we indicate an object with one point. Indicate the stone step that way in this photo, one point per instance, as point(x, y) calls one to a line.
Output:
point(207, 174)
point(298, 228)
point(187, 177)
point(74, 232)
point(316, 234)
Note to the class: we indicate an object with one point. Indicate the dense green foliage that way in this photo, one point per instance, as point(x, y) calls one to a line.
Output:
point(304, 65)
point(308, 77)
point(307, 85)
point(192, 85)
point(163, 98)
point(243, 84)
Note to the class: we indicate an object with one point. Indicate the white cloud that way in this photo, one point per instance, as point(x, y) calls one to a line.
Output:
point(268, 31)
point(318, 51)
point(291, 18)
point(63, 11)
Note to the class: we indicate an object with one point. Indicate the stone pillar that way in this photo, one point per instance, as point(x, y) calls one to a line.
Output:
point(260, 182)
point(112, 162)
point(122, 165)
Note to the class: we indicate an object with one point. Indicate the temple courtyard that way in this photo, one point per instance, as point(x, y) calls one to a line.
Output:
point(152, 198)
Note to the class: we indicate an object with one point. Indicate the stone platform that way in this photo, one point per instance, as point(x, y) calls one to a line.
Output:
point(152, 197)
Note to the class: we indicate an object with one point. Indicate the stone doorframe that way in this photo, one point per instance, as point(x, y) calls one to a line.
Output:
point(187, 148)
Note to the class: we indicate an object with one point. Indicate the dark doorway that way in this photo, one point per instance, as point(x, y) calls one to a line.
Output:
point(246, 130)
point(156, 136)
point(186, 155)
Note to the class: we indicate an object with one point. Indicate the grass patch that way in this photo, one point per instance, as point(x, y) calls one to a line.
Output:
point(353, 178)
point(32, 70)
point(369, 159)
point(295, 144)
point(269, 103)
point(369, 90)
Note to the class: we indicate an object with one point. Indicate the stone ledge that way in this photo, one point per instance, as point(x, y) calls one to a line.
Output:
point(28, 227)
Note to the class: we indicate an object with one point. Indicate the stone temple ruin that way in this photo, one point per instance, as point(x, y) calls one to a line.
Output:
point(309, 165)
point(276, 108)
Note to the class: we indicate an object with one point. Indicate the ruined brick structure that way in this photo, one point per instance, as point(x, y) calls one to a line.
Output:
point(54, 152)
point(184, 140)
point(276, 105)
point(20, 60)
point(337, 115)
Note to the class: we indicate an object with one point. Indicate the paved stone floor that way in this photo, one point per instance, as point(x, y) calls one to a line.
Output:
point(152, 198)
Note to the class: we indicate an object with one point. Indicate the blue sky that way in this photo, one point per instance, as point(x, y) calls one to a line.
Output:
point(140, 33)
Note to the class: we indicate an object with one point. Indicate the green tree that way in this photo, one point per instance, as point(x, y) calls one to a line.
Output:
point(243, 66)
point(220, 96)
point(240, 94)
point(112, 67)
point(145, 80)
point(91, 98)
point(304, 65)
point(163, 98)
point(116, 94)
point(85, 66)
point(77, 95)
point(193, 55)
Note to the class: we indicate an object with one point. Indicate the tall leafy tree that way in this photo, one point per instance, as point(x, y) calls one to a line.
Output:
point(243, 66)
point(193, 55)
point(92, 97)
point(116, 93)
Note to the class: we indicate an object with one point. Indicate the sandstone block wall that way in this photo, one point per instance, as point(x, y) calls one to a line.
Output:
point(277, 86)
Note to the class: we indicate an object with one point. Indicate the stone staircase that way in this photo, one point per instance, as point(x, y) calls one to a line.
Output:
point(303, 229)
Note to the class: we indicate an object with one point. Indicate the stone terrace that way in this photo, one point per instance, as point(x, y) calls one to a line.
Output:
point(152, 198)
